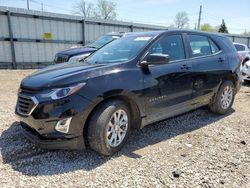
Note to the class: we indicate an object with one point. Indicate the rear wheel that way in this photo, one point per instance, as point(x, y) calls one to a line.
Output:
point(224, 98)
point(247, 81)
point(109, 127)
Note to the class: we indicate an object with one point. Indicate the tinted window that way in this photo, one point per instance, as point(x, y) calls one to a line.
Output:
point(202, 46)
point(239, 47)
point(199, 45)
point(169, 45)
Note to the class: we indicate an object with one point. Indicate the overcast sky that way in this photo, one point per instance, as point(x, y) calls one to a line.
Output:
point(161, 12)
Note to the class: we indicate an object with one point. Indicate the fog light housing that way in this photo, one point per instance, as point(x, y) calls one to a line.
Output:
point(63, 125)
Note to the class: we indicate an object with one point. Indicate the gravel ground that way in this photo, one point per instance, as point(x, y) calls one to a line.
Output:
point(197, 149)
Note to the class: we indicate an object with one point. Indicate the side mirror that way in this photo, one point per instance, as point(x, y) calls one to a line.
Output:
point(156, 59)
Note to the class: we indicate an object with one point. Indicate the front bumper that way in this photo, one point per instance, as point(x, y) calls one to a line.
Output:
point(76, 143)
point(39, 126)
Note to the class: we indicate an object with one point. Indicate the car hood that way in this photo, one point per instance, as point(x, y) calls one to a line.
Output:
point(76, 51)
point(62, 75)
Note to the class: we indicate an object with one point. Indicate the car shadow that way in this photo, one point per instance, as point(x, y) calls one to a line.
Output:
point(26, 158)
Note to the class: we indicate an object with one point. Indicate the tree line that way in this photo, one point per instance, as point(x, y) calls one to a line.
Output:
point(182, 21)
point(105, 9)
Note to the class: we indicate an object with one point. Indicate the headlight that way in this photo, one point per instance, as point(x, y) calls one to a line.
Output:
point(78, 58)
point(60, 93)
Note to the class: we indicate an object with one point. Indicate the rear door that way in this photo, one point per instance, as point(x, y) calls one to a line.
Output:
point(208, 66)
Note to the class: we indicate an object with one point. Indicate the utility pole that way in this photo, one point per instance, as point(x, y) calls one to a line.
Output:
point(28, 4)
point(199, 20)
point(42, 7)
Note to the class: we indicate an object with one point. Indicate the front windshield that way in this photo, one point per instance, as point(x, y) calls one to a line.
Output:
point(123, 49)
point(103, 41)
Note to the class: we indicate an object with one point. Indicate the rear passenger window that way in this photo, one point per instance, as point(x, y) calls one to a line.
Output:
point(202, 46)
point(170, 45)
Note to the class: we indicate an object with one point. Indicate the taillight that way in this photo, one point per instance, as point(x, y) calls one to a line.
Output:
point(241, 58)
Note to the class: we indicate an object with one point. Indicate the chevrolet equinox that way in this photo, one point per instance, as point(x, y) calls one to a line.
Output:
point(132, 82)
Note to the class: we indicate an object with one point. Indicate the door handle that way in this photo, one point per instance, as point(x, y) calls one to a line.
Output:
point(221, 59)
point(186, 67)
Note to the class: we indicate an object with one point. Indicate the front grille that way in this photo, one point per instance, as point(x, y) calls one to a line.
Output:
point(61, 59)
point(26, 104)
point(26, 101)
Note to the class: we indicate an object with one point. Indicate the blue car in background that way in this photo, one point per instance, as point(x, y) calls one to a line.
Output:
point(78, 53)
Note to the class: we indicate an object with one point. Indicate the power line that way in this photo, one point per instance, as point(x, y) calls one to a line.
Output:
point(49, 5)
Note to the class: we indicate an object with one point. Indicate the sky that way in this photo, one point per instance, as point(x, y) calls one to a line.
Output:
point(161, 12)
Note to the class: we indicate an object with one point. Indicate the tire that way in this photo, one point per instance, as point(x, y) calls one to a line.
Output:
point(246, 81)
point(104, 131)
point(218, 106)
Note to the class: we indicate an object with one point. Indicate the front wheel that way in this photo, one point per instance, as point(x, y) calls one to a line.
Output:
point(224, 98)
point(109, 127)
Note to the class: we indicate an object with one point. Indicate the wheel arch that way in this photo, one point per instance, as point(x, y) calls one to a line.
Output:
point(115, 95)
point(229, 77)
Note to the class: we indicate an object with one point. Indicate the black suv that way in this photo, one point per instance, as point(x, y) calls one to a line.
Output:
point(132, 82)
point(75, 54)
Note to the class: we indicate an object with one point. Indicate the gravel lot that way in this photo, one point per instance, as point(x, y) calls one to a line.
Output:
point(197, 149)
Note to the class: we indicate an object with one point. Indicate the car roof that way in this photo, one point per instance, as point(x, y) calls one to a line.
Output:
point(159, 32)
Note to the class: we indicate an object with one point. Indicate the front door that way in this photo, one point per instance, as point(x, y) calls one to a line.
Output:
point(167, 88)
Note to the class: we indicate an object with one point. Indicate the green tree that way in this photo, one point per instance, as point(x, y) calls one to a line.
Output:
point(223, 27)
point(207, 27)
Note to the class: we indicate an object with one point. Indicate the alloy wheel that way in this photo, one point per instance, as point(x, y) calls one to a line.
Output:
point(226, 97)
point(117, 128)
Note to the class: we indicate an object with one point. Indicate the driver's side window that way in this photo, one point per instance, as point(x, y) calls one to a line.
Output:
point(170, 45)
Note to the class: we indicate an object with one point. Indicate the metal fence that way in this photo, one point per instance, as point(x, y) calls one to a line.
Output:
point(240, 39)
point(30, 39)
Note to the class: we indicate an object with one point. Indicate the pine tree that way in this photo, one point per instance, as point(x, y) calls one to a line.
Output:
point(223, 27)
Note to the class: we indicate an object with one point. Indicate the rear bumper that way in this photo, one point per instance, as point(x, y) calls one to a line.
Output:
point(76, 143)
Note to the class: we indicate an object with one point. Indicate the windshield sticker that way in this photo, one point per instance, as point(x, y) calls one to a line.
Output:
point(142, 38)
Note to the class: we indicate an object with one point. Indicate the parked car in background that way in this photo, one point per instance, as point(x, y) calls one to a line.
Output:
point(137, 80)
point(243, 51)
point(246, 71)
point(244, 55)
point(75, 54)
